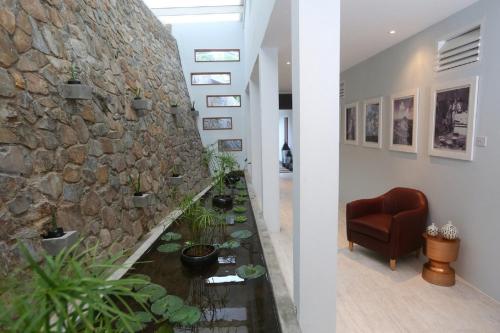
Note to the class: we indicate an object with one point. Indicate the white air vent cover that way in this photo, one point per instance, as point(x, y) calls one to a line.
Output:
point(459, 50)
point(342, 90)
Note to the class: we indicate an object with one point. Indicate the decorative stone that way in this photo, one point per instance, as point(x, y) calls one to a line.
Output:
point(51, 185)
point(20, 204)
point(71, 173)
point(102, 174)
point(7, 87)
point(109, 218)
point(37, 39)
point(8, 54)
point(43, 161)
point(7, 20)
point(75, 91)
point(53, 246)
point(143, 201)
point(31, 61)
point(15, 160)
point(91, 204)
point(95, 148)
point(22, 41)
point(36, 84)
point(67, 135)
point(72, 192)
point(105, 237)
point(82, 132)
point(35, 9)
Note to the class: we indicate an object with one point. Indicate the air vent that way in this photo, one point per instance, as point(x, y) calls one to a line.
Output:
point(459, 50)
point(342, 90)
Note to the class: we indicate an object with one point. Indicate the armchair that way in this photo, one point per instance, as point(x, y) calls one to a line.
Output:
point(391, 224)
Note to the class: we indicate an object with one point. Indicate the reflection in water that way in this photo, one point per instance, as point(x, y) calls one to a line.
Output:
point(224, 279)
point(228, 260)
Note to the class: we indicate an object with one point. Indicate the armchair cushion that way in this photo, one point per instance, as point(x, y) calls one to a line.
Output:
point(377, 226)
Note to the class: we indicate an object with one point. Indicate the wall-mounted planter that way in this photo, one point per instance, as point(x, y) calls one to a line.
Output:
point(142, 201)
point(175, 181)
point(195, 113)
point(174, 110)
point(142, 104)
point(55, 245)
point(75, 91)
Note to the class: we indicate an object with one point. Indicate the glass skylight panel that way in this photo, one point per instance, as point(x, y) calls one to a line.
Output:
point(191, 3)
point(174, 19)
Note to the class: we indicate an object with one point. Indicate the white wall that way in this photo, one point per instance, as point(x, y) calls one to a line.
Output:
point(468, 193)
point(283, 115)
point(227, 35)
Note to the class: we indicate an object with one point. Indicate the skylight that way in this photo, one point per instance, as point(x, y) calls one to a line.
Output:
point(194, 11)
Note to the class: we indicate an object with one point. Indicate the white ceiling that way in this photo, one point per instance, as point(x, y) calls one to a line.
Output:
point(365, 26)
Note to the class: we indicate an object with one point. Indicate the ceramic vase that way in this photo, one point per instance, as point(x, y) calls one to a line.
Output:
point(432, 230)
point(448, 231)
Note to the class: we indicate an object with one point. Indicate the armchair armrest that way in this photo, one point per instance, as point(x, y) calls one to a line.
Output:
point(363, 207)
point(407, 228)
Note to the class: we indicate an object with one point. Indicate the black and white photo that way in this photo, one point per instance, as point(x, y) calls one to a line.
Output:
point(404, 120)
point(372, 129)
point(351, 124)
point(230, 145)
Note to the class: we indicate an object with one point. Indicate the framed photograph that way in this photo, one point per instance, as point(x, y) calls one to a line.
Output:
point(231, 145)
point(404, 121)
point(224, 101)
point(217, 123)
point(351, 124)
point(453, 113)
point(216, 55)
point(372, 123)
point(206, 79)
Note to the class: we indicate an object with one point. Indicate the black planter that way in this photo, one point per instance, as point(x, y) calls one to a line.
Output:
point(74, 82)
point(54, 233)
point(138, 194)
point(211, 253)
point(222, 201)
point(231, 179)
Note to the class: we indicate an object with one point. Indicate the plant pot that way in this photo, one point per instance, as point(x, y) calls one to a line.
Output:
point(222, 201)
point(142, 104)
point(207, 255)
point(174, 110)
point(143, 200)
point(53, 246)
point(195, 113)
point(231, 179)
point(75, 90)
point(74, 82)
point(175, 180)
point(54, 233)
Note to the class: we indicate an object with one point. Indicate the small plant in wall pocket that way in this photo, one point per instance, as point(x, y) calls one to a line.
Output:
point(175, 178)
point(194, 113)
point(139, 199)
point(174, 108)
point(139, 104)
point(55, 239)
point(74, 89)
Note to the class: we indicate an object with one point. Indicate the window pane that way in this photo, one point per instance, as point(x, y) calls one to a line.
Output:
point(210, 78)
point(217, 55)
point(223, 101)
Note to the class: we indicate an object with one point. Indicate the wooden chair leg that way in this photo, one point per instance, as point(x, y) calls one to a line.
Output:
point(392, 263)
point(351, 246)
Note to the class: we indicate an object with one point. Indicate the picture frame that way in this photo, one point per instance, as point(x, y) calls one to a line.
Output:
point(227, 145)
point(211, 79)
point(453, 118)
point(404, 121)
point(217, 123)
point(223, 101)
point(372, 122)
point(351, 116)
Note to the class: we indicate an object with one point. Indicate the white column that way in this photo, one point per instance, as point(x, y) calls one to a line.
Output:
point(315, 57)
point(255, 135)
point(269, 108)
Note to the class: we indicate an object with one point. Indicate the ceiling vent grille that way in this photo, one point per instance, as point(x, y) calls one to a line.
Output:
point(341, 90)
point(460, 50)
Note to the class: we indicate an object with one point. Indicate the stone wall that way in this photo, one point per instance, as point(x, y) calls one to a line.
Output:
point(77, 156)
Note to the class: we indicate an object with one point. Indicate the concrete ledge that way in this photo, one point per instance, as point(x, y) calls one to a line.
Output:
point(143, 201)
point(142, 104)
point(175, 181)
point(287, 311)
point(75, 91)
point(55, 245)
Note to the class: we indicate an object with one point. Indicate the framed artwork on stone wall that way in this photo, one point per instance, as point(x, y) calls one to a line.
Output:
point(372, 123)
point(404, 121)
point(452, 121)
point(230, 145)
point(351, 124)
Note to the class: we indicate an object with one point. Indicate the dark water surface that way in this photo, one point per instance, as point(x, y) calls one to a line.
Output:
point(228, 303)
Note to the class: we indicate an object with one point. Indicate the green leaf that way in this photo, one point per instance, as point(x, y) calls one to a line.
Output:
point(242, 234)
point(250, 271)
point(243, 193)
point(240, 200)
point(153, 291)
point(171, 236)
point(167, 304)
point(143, 316)
point(169, 247)
point(239, 209)
point(231, 244)
point(186, 316)
point(144, 280)
point(165, 328)
point(240, 219)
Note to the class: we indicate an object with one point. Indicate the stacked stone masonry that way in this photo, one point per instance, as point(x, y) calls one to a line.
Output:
point(77, 156)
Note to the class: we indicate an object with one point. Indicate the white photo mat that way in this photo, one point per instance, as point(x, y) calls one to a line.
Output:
point(399, 97)
point(366, 104)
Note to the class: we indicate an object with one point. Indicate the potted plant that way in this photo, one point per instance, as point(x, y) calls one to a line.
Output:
point(193, 109)
point(174, 108)
point(139, 198)
point(139, 103)
point(74, 89)
point(55, 239)
point(220, 164)
point(175, 177)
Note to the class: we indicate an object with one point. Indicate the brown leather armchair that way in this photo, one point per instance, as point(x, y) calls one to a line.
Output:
point(391, 224)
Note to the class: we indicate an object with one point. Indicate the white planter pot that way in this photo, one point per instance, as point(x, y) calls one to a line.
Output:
point(195, 113)
point(75, 91)
point(175, 181)
point(143, 201)
point(55, 245)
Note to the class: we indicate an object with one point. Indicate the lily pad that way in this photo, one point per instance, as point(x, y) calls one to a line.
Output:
point(240, 200)
point(241, 234)
point(241, 186)
point(231, 244)
point(171, 236)
point(167, 304)
point(185, 316)
point(164, 328)
point(240, 219)
point(239, 209)
point(154, 291)
point(169, 247)
point(138, 285)
point(143, 316)
point(250, 271)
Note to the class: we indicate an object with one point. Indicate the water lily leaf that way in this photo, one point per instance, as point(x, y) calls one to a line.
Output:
point(250, 271)
point(240, 200)
point(241, 186)
point(169, 247)
point(240, 219)
point(231, 244)
point(143, 316)
point(171, 236)
point(145, 280)
point(154, 291)
point(243, 193)
point(241, 234)
point(239, 209)
point(186, 316)
point(164, 329)
point(167, 304)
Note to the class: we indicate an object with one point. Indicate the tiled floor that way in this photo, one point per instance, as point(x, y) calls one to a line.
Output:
point(372, 298)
